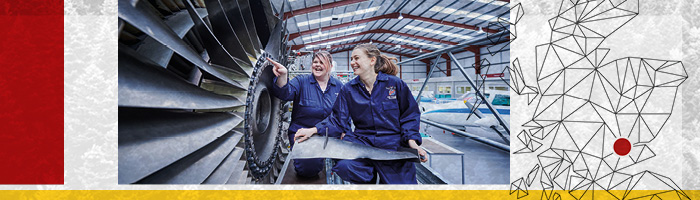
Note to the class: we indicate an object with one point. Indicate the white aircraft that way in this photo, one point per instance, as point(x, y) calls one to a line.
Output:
point(467, 111)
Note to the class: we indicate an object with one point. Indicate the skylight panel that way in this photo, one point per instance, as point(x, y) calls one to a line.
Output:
point(329, 43)
point(428, 30)
point(339, 16)
point(415, 42)
point(468, 14)
point(316, 36)
point(498, 3)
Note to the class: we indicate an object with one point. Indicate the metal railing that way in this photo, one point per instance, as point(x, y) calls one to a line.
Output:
point(481, 39)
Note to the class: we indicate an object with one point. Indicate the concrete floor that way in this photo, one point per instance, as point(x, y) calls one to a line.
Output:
point(482, 164)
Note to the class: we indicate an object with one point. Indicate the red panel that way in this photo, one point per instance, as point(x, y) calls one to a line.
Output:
point(477, 61)
point(448, 65)
point(31, 112)
point(495, 75)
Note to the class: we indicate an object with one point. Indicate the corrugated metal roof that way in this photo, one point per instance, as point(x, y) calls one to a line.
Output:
point(407, 32)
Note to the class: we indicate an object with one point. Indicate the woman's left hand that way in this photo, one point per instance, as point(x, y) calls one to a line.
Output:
point(421, 152)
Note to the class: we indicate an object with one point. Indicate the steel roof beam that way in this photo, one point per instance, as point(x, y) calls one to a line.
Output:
point(379, 42)
point(385, 50)
point(302, 11)
point(482, 39)
point(389, 16)
point(469, 48)
point(297, 47)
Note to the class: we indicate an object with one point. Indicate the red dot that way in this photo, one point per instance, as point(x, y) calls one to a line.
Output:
point(622, 146)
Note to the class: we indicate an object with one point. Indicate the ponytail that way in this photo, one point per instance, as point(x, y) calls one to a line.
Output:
point(387, 65)
point(384, 63)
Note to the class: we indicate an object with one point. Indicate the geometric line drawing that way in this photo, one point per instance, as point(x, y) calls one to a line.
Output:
point(593, 115)
point(519, 188)
point(481, 84)
point(532, 175)
point(517, 82)
point(505, 23)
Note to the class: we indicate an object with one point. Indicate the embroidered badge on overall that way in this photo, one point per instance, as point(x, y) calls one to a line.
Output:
point(392, 92)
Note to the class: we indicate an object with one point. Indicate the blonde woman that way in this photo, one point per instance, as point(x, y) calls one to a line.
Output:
point(313, 95)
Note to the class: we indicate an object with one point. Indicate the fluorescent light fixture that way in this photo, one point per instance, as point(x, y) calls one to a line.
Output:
point(398, 46)
point(496, 2)
point(400, 16)
point(328, 43)
point(415, 42)
point(315, 39)
point(455, 12)
point(312, 37)
point(482, 16)
point(428, 30)
point(340, 16)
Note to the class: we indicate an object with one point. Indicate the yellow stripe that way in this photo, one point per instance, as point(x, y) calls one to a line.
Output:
point(315, 194)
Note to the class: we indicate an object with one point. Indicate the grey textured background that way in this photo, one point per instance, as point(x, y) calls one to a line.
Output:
point(666, 30)
point(90, 74)
point(690, 12)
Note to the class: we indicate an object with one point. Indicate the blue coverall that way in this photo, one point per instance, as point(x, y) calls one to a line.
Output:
point(386, 119)
point(311, 105)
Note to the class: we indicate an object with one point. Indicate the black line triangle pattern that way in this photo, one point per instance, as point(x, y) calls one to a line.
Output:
point(583, 104)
